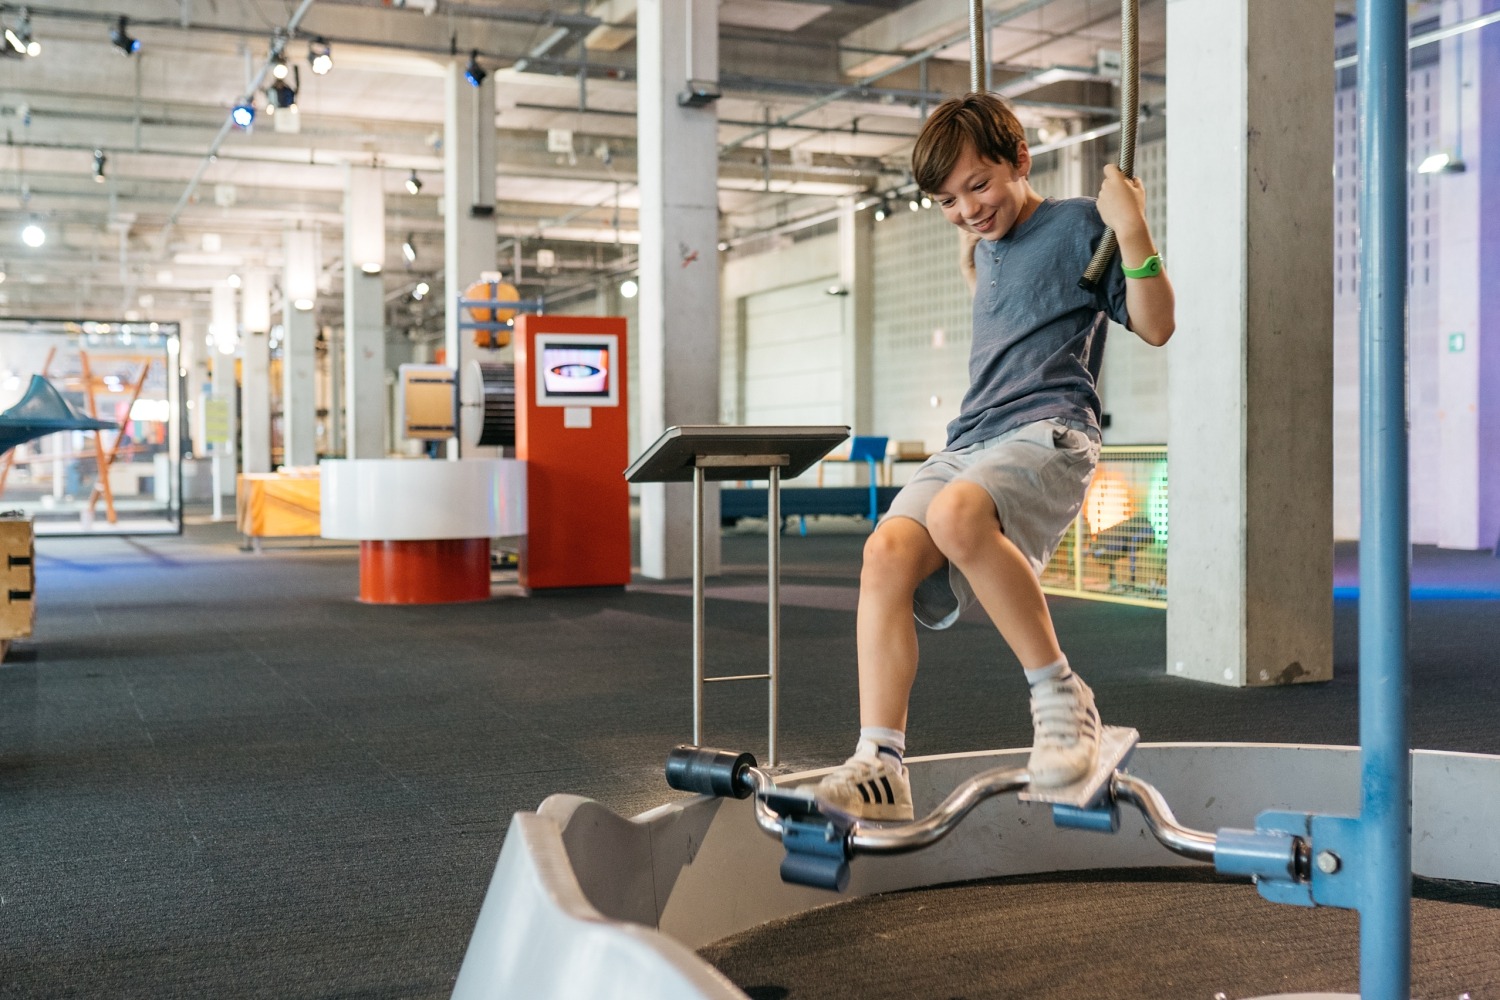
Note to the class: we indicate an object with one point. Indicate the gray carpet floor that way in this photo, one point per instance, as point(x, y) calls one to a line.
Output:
point(222, 776)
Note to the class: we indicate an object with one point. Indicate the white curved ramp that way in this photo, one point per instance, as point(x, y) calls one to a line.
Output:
point(586, 903)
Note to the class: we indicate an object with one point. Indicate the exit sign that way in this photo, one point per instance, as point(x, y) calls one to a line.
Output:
point(1455, 343)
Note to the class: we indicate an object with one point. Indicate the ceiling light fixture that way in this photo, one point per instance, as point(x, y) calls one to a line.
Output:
point(99, 160)
point(474, 72)
point(279, 68)
point(882, 211)
point(243, 115)
point(320, 56)
point(1441, 163)
point(409, 248)
point(33, 235)
point(119, 37)
point(420, 292)
point(414, 183)
point(926, 202)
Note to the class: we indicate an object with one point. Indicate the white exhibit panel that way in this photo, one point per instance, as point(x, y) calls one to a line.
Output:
point(394, 500)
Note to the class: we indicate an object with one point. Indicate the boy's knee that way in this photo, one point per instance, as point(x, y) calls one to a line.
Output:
point(892, 552)
point(961, 519)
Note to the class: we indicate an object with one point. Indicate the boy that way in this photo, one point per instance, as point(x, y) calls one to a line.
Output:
point(980, 519)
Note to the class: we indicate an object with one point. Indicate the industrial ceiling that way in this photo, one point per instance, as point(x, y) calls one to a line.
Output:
point(149, 196)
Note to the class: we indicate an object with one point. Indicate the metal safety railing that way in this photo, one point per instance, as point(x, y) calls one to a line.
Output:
point(1116, 549)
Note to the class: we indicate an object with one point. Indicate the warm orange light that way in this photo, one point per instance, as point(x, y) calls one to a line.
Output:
point(1107, 502)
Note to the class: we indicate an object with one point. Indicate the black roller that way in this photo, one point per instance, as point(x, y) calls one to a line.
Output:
point(498, 404)
point(709, 772)
point(821, 871)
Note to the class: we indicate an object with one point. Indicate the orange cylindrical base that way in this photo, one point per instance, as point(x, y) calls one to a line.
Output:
point(436, 571)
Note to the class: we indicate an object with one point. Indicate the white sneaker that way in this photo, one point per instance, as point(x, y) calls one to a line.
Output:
point(869, 785)
point(1066, 723)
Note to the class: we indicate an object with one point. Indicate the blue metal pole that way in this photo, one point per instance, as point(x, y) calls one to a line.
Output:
point(1385, 809)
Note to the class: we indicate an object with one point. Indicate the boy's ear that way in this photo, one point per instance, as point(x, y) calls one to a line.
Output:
point(1023, 159)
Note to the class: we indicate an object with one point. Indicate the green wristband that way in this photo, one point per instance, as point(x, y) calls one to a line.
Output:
point(1150, 268)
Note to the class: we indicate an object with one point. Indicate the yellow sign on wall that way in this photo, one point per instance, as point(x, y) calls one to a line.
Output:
point(216, 420)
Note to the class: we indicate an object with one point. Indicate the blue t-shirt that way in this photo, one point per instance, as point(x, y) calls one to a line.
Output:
point(1038, 338)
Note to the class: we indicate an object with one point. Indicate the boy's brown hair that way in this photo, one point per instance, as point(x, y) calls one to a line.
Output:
point(983, 120)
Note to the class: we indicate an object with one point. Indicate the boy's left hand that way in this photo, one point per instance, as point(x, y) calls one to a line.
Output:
point(1122, 202)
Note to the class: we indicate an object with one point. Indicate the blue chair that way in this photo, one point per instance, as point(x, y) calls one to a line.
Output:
point(871, 451)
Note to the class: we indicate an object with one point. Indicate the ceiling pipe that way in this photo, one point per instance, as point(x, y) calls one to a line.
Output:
point(922, 56)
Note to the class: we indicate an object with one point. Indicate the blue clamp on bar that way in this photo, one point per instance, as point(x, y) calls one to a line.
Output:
point(1274, 855)
point(1102, 818)
point(817, 842)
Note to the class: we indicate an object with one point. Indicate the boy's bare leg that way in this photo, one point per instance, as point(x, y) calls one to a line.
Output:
point(967, 528)
point(898, 557)
point(872, 783)
point(1065, 722)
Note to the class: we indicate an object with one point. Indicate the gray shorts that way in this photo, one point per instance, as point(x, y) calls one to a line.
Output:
point(1037, 475)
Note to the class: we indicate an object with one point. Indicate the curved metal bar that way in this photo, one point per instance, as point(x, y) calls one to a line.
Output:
point(1161, 822)
point(869, 838)
point(765, 816)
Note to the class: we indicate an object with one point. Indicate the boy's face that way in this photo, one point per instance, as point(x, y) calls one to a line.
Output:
point(985, 197)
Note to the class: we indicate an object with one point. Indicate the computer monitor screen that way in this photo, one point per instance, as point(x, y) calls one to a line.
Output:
point(576, 371)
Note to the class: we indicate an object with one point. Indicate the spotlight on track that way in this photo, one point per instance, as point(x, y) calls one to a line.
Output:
point(414, 183)
point(926, 202)
point(18, 41)
point(629, 288)
point(409, 248)
point(284, 92)
point(882, 211)
point(279, 68)
point(914, 204)
point(420, 292)
point(33, 235)
point(320, 56)
point(119, 37)
point(99, 160)
point(281, 95)
point(243, 116)
point(474, 72)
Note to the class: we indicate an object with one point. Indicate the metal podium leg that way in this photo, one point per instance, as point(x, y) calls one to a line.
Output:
point(698, 606)
point(773, 600)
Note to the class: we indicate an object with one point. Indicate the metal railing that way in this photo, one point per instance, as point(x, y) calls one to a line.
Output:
point(1117, 547)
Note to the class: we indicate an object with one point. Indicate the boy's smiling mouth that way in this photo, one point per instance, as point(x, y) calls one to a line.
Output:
point(983, 225)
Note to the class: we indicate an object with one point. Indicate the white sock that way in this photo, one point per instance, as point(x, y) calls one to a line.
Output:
point(1059, 671)
point(888, 741)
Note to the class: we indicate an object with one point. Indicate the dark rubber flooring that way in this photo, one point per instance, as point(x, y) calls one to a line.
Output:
point(1166, 934)
point(221, 776)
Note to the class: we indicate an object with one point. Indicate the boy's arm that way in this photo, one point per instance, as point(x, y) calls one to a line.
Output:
point(1149, 301)
point(967, 241)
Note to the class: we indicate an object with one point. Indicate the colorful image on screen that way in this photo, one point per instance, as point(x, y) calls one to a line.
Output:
point(576, 370)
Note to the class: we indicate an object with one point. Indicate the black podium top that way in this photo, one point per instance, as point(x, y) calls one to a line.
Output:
point(730, 451)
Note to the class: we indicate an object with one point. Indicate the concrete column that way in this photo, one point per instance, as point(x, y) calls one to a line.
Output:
point(364, 331)
point(299, 392)
point(678, 338)
point(1469, 303)
point(856, 281)
point(1250, 183)
point(190, 336)
point(225, 330)
point(255, 372)
point(299, 404)
point(468, 207)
